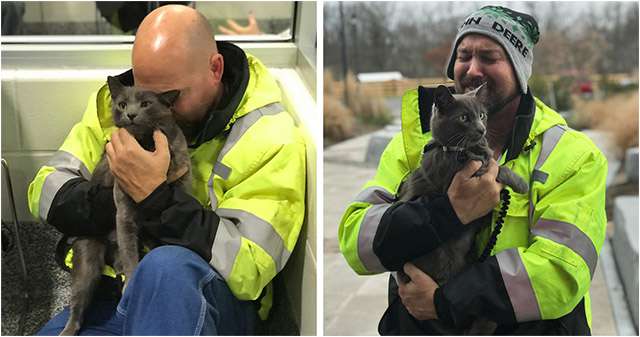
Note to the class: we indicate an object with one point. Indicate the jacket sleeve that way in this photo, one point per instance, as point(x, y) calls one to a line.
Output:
point(414, 228)
point(259, 203)
point(61, 194)
point(549, 277)
point(378, 234)
point(173, 217)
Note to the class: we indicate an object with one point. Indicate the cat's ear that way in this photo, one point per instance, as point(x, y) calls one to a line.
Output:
point(481, 93)
point(443, 97)
point(169, 97)
point(115, 87)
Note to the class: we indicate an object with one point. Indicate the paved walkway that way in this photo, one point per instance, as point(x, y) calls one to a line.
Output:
point(354, 304)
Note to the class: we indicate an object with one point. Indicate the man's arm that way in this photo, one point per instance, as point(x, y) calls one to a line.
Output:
point(61, 194)
point(417, 227)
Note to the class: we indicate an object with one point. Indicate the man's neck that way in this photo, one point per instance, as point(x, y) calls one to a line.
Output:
point(500, 125)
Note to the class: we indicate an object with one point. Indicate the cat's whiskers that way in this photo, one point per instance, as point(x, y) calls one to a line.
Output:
point(453, 139)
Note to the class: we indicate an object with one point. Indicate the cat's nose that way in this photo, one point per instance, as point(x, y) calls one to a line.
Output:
point(131, 116)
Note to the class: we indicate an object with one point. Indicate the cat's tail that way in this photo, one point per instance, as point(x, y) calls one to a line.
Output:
point(509, 178)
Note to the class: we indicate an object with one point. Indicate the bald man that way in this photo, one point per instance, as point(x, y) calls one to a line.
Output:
point(226, 239)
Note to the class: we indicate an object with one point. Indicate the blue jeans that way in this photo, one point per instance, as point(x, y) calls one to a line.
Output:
point(172, 292)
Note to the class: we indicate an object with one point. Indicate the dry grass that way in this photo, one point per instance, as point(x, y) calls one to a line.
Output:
point(340, 121)
point(616, 114)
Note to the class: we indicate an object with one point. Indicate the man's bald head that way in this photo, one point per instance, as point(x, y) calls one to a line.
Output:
point(175, 36)
point(175, 48)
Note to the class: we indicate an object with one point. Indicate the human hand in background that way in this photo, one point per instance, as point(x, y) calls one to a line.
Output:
point(236, 29)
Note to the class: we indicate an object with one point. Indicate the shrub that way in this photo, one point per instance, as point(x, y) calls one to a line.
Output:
point(365, 108)
point(616, 114)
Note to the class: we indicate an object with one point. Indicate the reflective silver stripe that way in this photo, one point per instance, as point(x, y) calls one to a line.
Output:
point(243, 124)
point(539, 176)
point(67, 167)
point(374, 195)
point(550, 139)
point(225, 247)
point(222, 170)
point(212, 194)
point(238, 129)
point(367, 232)
point(65, 161)
point(518, 285)
point(381, 200)
point(570, 236)
point(258, 231)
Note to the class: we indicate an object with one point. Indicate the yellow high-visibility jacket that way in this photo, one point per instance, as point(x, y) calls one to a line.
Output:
point(546, 254)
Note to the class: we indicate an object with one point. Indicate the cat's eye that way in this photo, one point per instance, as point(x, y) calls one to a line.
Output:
point(144, 104)
point(122, 105)
point(463, 118)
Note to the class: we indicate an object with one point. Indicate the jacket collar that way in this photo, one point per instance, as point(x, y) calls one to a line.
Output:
point(235, 79)
point(521, 126)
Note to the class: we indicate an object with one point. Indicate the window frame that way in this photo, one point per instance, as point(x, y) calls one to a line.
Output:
point(99, 39)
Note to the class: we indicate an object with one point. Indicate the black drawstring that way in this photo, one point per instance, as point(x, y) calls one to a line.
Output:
point(529, 147)
point(506, 197)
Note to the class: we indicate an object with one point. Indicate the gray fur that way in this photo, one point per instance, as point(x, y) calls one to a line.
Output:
point(139, 112)
point(436, 173)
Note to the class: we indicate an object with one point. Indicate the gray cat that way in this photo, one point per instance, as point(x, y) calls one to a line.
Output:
point(458, 127)
point(140, 112)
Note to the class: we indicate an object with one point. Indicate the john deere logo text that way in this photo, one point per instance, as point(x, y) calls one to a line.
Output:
point(510, 36)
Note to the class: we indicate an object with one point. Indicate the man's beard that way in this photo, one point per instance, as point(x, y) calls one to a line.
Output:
point(493, 99)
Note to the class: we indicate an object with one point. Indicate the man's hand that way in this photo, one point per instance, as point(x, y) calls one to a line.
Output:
point(417, 295)
point(236, 29)
point(473, 197)
point(138, 172)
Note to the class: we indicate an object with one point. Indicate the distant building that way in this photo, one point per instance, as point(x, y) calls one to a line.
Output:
point(379, 77)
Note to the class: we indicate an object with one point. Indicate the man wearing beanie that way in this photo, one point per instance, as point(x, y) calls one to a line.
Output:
point(536, 279)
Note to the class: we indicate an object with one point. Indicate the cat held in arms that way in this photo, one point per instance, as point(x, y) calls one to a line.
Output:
point(140, 112)
point(458, 128)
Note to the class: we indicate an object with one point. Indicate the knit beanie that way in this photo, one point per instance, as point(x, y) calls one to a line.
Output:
point(516, 32)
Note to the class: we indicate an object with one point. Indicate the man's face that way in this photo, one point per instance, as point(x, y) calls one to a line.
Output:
point(480, 59)
point(196, 92)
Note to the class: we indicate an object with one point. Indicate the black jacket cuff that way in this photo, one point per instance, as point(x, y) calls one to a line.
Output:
point(82, 208)
point(479, 291)
point(156, 202)
point(444, 215)
point(414, 228)
point(173, 217)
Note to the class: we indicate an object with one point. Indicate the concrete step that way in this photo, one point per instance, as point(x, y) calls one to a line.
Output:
point(625, 249)
point(603, 141)
point(378, 142)
point(631, 164)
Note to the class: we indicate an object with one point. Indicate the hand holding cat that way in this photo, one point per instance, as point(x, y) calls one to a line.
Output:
point(138, 172)
point(473, 197)
point(417, 294)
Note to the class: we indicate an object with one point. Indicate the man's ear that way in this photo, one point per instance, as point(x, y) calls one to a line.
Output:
point(115, 87)
point(216, 66)
point(443, 97)
point(169, 97)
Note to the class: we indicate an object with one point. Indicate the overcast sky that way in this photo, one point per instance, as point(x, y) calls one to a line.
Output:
point(567, 12)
